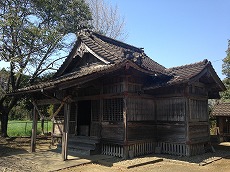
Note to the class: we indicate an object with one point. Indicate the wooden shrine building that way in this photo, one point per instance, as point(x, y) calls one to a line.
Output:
point(221, 112)
point(117, 101)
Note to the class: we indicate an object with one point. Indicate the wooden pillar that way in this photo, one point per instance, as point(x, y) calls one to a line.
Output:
point(187, 119)
point(101, 109)
point(65, 132)
point(126, 151)
point(125, 85)
point(76, 116)
point(34, 131)
point(125, 118)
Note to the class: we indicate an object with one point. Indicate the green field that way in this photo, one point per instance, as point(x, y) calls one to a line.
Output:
point(23, 128)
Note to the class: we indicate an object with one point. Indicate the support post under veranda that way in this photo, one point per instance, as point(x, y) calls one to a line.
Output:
point(34, 131)
point(65, 132)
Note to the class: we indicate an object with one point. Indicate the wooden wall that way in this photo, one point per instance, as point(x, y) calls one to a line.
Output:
point(141, 130)
point(171, 132)
point(198, 117)
point(171, 115)
point(95, 129)
point(140, 109)
point(112, 131)
point(198, 133)
point(140, 118)
point(223, 123)
point(171, 109)
point(198, 110)
point(72, 120)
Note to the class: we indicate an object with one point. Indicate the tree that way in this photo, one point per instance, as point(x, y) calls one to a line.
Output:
point(226, 62)
point(106, 19)
point(226, 94)
point(34, 35)
point(226, 71)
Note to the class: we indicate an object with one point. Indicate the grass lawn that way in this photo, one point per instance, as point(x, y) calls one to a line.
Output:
point(24, 128)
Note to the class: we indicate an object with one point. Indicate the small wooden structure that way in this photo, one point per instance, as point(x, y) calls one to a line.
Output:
point(222, 113)
point(117, 101)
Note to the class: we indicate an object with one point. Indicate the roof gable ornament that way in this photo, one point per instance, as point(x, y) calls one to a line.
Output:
point(134, 56)
point(81, 50)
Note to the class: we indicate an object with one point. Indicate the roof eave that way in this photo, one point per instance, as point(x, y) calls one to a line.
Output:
point(56, 83)
point(208, 68)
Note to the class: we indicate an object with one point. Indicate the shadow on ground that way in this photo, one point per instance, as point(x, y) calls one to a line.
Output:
point(8, 146)
point(50, 159)
point(221, 151)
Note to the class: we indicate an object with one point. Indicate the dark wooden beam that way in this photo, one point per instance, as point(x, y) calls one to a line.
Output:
point(48, 101)
point(197, 97)
point(34, 131)
point(187, 115)
point(65, 133)
point(76, 117)
point(116, 95)
point(125, 86)
point(78, 81)
point(39, 113)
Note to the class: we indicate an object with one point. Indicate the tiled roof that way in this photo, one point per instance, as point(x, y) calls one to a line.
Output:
point(114, 51)
point(86, 70)
point(186, 72)
point(112, 54)
point(180, 74)
point(94, 69)
point(222, 109)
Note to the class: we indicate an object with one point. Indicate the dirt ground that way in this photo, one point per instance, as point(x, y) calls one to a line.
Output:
point(11, 148)
point(218, 166)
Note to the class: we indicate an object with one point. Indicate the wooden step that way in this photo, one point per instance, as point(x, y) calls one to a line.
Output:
point(80, 145)
point(83, 145)
point(84, 139)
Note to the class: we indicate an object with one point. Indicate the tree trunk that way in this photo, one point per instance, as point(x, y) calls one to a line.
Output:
point(4, 124)
point(4, 112)
point(0, 124)
point(42, 125)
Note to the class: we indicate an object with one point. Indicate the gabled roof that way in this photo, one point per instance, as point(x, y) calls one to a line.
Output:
point(186, 72)
point(110, 55)
point(110, 51)
point(201, 71)
point(221, 109)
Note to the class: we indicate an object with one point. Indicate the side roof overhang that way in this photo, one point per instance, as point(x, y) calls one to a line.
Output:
point(85, 74)
point(197, 72)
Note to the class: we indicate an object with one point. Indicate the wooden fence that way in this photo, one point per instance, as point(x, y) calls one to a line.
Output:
point(113, 150)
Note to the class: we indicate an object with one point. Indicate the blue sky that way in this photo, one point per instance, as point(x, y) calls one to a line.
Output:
point(178, 32)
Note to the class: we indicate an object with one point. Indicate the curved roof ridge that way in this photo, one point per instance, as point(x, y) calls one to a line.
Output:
point(109, 40)
point(115, 51)
point(204, 62)
point(107, 49)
